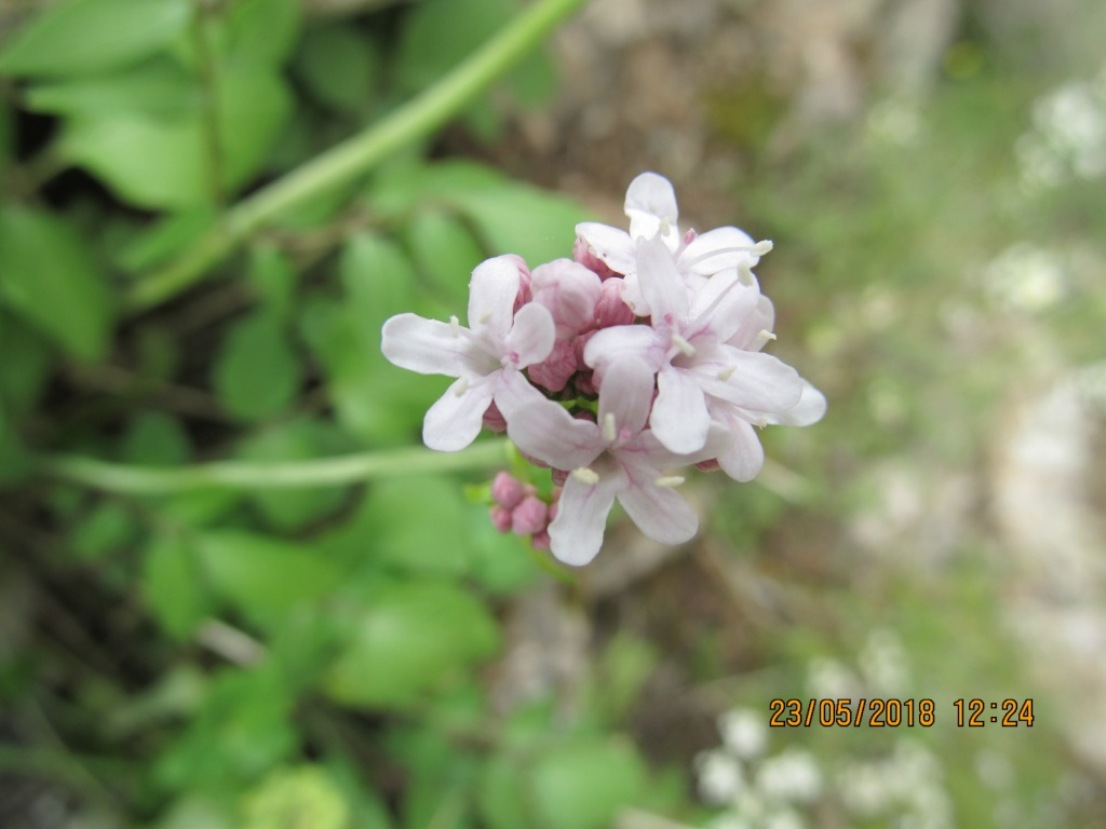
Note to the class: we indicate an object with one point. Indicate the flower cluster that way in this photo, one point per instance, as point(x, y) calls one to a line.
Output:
point(617, 368)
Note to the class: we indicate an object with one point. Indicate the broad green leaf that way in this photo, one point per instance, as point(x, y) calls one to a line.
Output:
point(444, 249)
point(160, 89)
point(339, 65)
point(22, 380)
point(148, 163)
point(173, 587)
point(263, 576)
point(76, 37)
point(257, 374)
point(156, 439)
point(518, 218)
point(273, 278)
point(379, 282)
point(253, 105)
point(260, 33)
point(197, 812)
point(165, 239)
point(440, 34)
point(407, 639)
point(108, 528)
point(291, 509)
point(297, 798)
point(501, 796)
point(50, 278)
point(583, 785)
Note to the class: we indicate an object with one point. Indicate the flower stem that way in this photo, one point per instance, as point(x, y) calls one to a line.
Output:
point(338, 471)
point(360, 153)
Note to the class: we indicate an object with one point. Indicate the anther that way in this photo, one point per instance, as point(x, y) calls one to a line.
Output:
point(609, 430)
point(585, 476)
point(462, 387)
point(454, 326)
point(684, 346)
point(669, 481)
point(762, 247)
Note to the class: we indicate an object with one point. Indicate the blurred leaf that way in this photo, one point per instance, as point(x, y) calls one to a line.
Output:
point(160, 89)
point(297, 798)
point(260, 33)
point(446, 251)
point(339, 65)
point(107, 528)
point(626, 664)
point(441, 33)
point(257, 373)
point(242, 730)
point(502, 794)
point(156, 439)
point(22, 380)
point(406, 640)
point(52, 281)
point(253, 106)
point(517, 218)
point(583, 785)
point(86, 36)
point(173, 586)
point(379, 282)
point(197, 812)
point(263, 576)
point(291, 509)
point(149, 163)
point(273, 278)
point(165, 239)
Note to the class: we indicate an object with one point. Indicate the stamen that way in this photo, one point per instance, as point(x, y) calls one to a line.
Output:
point(726, 373)
point(762, 247)
point(669, 481)
point(609, 430)
point(745, 275)
point(684, 346)
point(455, 326)
point(761, 422)
point(585, 476)
point(766, 335)
point(462, 387)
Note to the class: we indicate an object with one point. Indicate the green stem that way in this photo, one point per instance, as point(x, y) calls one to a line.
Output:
point(362, 152)
point(348, 469)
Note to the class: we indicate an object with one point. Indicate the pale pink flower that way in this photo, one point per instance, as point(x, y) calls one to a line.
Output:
point(652, 210)
point(687, 348)
point(615, 458)
point(487, 359)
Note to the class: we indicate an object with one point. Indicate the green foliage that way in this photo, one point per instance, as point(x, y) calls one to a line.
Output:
point(258, 374)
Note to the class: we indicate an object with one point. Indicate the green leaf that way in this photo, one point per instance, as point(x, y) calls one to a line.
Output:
point(257, 374)
point(518, 218)
point(156, 439)
point(86, 36)
point(253, 106)
point(299, 798)
point(502, 794)
point(444, 249)
point(379, 282)
point(583, 785)
point(339, 65)
point(51, 279)
point(160, 89)
point(292, 509)
point(273, 278)
point(22, 380)
point(260, 33)
point(407, 639)
point(173, 588)
point(107, 529)
point(165, 239)
point(263, 576)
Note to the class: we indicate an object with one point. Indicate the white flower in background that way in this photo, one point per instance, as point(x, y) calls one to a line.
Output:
point(830, 679)
point(721, 778)
point(744, 732)
point(790, 776)
point(1027, 278)
point(884, 663)
point(1068, 138)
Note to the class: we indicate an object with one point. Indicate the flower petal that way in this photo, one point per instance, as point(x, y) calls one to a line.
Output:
point(721, 306)
point(679, 419)
point(547, 432)
point(718, 249)
point(744, 457)
point(626, 393)
point(530, 339)
point(454, 421)
point(659, 281)
point(659, 512)
point(492, 292)
point(651, 207)
point(576, 534)
point(613, 246)
point(750, 379)
point(810, 409)
point(427, 346)
point(611, 344)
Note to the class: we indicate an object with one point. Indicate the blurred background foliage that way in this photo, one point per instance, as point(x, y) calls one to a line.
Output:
point(374, 654)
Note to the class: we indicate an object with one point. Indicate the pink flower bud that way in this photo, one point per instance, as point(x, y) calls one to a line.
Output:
point(559, 478)
point(530, 516)
point(506, 490)
point(540, 541)
point(569, 291)
point(494, 420)
point(554, 372)
point(501, 518)
point(610, 310)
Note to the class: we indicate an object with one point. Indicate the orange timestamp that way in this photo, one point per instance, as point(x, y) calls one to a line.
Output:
point(874, 712)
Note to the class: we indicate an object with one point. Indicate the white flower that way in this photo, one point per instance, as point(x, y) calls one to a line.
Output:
point(652, 210)
point(487, 359)
point(744, 732)
point(791, 776)
point(616, 457)
point(720, 777)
